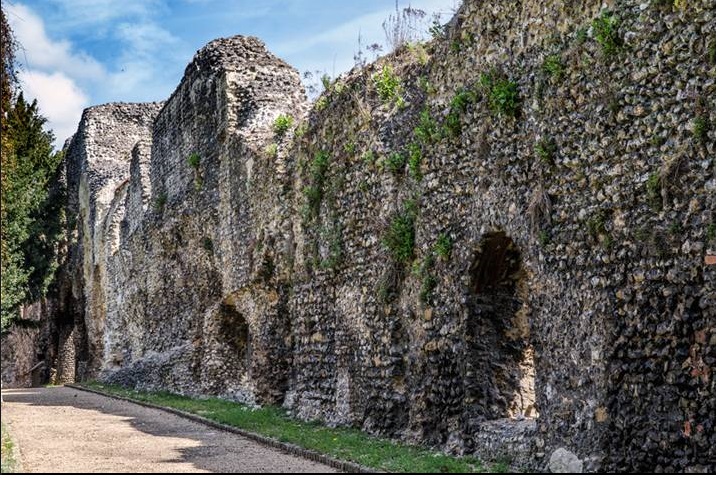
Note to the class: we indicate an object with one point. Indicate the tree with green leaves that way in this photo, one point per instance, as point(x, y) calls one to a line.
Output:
point(32, 217)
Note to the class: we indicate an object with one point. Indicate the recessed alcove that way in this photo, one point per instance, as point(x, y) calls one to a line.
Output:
point(499, 374)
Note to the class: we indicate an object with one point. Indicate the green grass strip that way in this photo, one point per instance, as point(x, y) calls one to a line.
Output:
point(8, 458)
point(342, 443)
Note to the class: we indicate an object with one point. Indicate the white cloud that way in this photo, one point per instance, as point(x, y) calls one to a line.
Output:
point(60, 100)
point(64, 80)
point(39, 52)
point(144, 38)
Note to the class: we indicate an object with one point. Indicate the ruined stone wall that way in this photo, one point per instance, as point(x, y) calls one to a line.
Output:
point(184, 294)
point(26, 350)
point(604, 186)
point(492, 243)
point(98, 160)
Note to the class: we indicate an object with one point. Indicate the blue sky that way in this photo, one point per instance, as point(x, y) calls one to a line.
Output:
point(78, 53)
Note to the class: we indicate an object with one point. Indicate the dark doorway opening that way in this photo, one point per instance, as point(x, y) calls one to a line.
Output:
point(499, 375)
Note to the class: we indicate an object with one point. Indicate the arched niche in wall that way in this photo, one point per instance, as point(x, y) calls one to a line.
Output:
point(499, 374)
point(233, 332)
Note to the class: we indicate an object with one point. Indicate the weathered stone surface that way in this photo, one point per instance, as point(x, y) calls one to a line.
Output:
point(184, 271)
point(571, 309)
point(565, 462)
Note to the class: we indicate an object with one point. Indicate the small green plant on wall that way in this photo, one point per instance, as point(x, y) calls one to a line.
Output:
point(399, 237)
point(443, 247)
point(282, 124)
point(301, 129)
point(654, 186)
point(427, 131)
point(458, 106)
point(388, 86)
point(700, 128)
point(605, 32)
point(503, 94)
point(395, 162)
point(314, 193)
point(193, 161)
point(322, 103)
point(271, 150)
point(545, 150)
point(160, 202)
point(553, 67)
point(415, 159)
point(428, 281)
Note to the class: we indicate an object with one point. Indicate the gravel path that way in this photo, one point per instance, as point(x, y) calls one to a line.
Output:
point(65, 430)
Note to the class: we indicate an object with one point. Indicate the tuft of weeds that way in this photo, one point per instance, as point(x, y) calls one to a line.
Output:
point(597, 227)
point(700, 128)
point(319, 167)
point(423, 270)
point(8, 453)
point(301, 130)
point(504, 98)
point(553, 67)
point(419, 52)
point(271, 150)
point(443, 247)
point(545, 150)
point(399, 239)
point(395, 162)
point(452, 125)
point(314, 193)
point(160, 202)
point(369, 158)
point(425, 86)
point(657, 140)
point(605, 32)
point(388, 86)
point(427, 131)
point(654, 186)
point(350, 147)
point(458, 105)
point(326, 82)
point(462, 100)
point(712, 233)
point(322, 103)
point(333, 236)
point(437, 30)
point(415, 159)
point(544, 238)
point(428, 283)
point(581, 35)
point(193, 161)
point(503, 94)
point(282, 124)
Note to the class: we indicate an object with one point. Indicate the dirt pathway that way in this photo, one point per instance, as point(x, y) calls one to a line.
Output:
point(65, 430)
